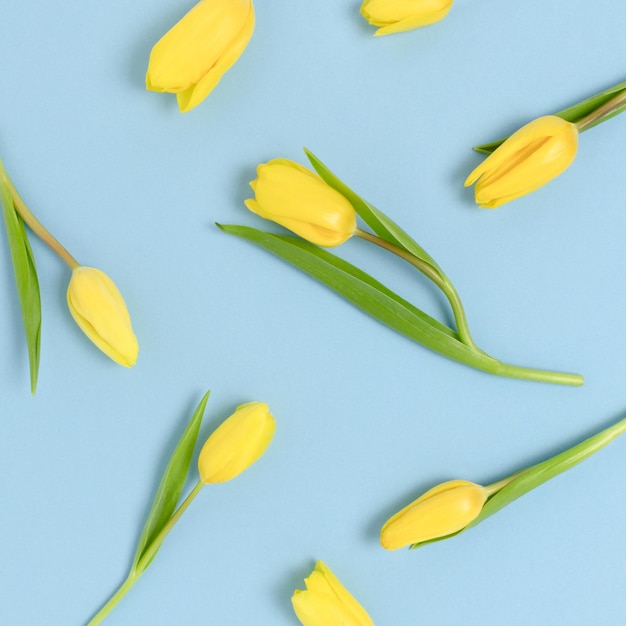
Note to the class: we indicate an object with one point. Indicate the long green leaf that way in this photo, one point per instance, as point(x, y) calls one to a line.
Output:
point(363, 291)
point(171, 486)
point(382, 225)
point(375, 299)
point(573, 113)
point(25, 278)
point(526, 480)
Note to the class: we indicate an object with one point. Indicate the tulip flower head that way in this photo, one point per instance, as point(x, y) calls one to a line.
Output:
point(442, 511)
point(296, 198)
point(237, 443)
point(396, 16)
point(326, 602)
point(527, 160)
point(99, 310)
point(191, 58)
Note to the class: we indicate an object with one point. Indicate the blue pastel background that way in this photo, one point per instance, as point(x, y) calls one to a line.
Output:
point(367, 420)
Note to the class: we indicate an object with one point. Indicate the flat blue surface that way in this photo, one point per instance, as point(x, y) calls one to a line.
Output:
point(367, 420)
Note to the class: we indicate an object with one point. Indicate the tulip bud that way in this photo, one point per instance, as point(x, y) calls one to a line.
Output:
point(237, 443)
point(396, 16)
point(326, 602)
point(441, 511)
point(99, 310)
point(527, 160)
point(191, 58)
point(298, 199)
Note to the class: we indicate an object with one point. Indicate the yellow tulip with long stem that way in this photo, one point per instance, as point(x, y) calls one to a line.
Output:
point(323, 211)
point(232, 448)
point(457, 505)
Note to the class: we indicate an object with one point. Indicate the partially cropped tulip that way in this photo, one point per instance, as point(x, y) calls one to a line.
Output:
point(237, 443)
point(99, 309)
point(326, 602)
point(527, 160)
point(396, 16)
point(441, 511)
point(296, 198)
point(191, 58)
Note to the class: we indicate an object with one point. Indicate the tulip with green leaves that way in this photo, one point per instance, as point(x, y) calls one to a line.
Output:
point(539, 151)
point(457, 505)
point(326, 602)
point(323, 211)
point(191, 58)
point(233, 447)
point(396, 16)
point(94, 301)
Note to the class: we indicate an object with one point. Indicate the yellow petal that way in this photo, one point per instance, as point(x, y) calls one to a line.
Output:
point(332, 583)
point(441, 511)
point(316, 609)
point(98, 308)
point(300, 200)
point(237, 443)
point(191, 97)
point(326, 602)
point(394, 16)
point(527, 160)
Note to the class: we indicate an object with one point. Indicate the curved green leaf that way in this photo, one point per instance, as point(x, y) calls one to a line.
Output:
point(170, 487)
point(25, 278)
point(367, 293)
point(573, 113)
point(382, 225)
point(384, 305)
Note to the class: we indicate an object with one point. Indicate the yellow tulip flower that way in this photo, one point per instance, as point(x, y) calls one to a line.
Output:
point(527, 160)
point(326, 602)
point(397, 16)
point(99, 310)
point(298, 199)
point(191, 58)
point(441, 511)
point(237, 443)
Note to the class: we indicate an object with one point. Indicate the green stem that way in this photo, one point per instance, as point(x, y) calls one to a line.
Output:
point(608, 109)
point(481, 359)
point(433, 274)
point(145, 559)
point(513, 371)
point(115, 598)
point(33, 223)
point(150, 553)
point(495, 487)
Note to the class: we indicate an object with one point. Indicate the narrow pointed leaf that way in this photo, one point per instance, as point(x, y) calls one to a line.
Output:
point(171, 486)
point(374, 298)
point(382, 225)
point(25, 278)
point(573, 113)
point(365, 292)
